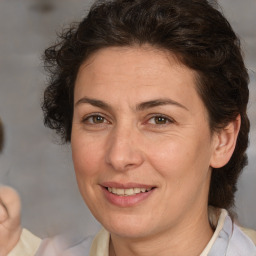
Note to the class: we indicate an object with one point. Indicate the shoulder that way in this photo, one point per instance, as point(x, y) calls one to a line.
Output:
point(240, 243)
point(82, 248)
point(230, 240)
point(250, 233)
point(61, 246)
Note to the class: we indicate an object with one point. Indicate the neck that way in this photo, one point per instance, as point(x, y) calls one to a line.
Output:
point(188, 238)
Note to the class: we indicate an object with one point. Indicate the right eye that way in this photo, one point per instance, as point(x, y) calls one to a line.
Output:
point(95, 119)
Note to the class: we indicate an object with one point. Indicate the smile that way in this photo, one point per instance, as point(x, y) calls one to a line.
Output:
point(128, 191)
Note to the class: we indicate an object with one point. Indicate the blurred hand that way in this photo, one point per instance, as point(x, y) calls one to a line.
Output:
point(10, 228)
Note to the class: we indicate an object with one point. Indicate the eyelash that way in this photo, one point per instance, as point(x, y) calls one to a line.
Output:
point(94, 115)
point(167, 120)
point(161, 116)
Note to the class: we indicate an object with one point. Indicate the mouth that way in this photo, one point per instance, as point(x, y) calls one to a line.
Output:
point(127, 194)
point(128, 191)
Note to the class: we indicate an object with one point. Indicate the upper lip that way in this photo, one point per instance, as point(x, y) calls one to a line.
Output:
point(112, 184)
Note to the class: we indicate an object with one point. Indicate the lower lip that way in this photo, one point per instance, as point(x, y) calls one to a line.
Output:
point(126, 201)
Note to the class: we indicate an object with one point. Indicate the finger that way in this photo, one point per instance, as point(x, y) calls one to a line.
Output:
point(3, 212)
point(10, 201)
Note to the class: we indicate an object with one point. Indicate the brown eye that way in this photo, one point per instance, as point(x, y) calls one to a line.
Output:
point(160, 120)
point(95, 119)
point(98, 119)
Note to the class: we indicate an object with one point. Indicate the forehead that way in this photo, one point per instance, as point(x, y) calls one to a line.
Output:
point(138, 59)
point(136, 74)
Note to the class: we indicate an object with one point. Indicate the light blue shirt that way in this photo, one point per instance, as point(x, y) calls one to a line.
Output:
point(228, 240)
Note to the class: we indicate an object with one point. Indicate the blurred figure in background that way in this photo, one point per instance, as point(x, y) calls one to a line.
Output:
point(12, 236)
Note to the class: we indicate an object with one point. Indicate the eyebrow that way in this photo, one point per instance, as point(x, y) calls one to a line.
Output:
point(94, 102)
point(158, 102)
point(139, 107)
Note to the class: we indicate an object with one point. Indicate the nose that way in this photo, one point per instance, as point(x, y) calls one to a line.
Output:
point(123, 151)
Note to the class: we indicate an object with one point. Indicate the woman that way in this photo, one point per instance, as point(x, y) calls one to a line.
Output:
point(152, 96)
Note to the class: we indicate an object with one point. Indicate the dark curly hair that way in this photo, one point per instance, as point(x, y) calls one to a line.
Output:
point(195, 31)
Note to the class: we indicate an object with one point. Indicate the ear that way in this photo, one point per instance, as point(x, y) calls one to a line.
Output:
point(225, 143)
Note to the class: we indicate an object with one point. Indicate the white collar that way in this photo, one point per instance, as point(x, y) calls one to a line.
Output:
point(100, 244)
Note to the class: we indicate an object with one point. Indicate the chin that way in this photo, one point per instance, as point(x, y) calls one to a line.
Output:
point(128, 232)
point(127, 226)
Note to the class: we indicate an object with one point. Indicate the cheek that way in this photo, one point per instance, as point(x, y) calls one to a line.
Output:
point(86, 157)
point(184, 168)
point(167, 155)
point(180, 158)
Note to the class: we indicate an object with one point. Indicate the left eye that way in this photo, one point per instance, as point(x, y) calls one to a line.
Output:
point(159, 120)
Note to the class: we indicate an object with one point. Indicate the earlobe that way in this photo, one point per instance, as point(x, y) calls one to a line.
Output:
point(225, 143)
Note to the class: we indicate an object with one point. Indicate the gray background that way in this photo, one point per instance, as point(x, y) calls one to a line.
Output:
point(32, 162)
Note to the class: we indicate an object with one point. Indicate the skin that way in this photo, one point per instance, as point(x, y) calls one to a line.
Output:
point(153, 138)
point(10, 228)
point(117, 137)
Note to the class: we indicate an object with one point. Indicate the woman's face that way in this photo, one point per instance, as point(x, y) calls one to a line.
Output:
point(141, 143)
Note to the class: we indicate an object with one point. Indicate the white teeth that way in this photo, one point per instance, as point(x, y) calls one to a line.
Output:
point(127, 192)
point(120, 191)
point(136, 190)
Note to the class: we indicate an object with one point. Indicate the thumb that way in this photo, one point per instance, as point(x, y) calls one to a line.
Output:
point(3, 212)
point(10, 205)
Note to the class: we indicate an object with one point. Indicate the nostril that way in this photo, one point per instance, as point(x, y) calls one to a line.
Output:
point(123, 157)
